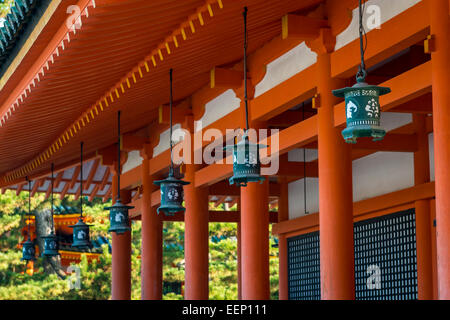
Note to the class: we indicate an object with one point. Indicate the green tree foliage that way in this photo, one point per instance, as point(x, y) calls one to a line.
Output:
point(96, 276)
point(5, 6)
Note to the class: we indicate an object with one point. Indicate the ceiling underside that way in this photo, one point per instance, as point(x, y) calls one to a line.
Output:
point(114, 38)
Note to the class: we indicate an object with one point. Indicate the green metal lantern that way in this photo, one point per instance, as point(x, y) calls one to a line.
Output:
point(246, 163)
point(51, 245)
point(362, 109)
point(118, 217)
point(172, 194)
point(81, 235)
point(28, 251)
point(171, 188)
point(362, 103)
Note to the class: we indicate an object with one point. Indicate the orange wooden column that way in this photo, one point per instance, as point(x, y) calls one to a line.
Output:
point(422, 208)
point(121, 257)
point(255, 241)
point(440, 61)
point(196, 239)
point(239, 252)
point(283, 214)
point(337, 276)
point(152, 251)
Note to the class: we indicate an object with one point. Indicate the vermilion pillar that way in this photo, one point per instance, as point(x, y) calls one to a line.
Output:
point(440, 61)
point(337, 276)
point(255, 241)
point(239, 253)
point(283, 214)
point(121, 257)
point(196, 238)
point(422, 207)
point(151, 252)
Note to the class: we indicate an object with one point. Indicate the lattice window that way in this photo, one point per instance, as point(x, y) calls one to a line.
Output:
point(384, 244)
point(304, 267)
point(388, 244)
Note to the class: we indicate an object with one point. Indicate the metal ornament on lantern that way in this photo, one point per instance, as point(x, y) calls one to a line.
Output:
point(51, 245)
point(118, 213)
point(362, 105)
point(171, 188)
point(80, 229)
point(28, 248)
point(246, 162)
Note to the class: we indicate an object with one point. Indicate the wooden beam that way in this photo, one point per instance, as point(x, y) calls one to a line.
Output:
point(107, 194)
point(94, 192)
point(76, 172)
point(58, 179)
point(226, 78)
point(296, 169)
point(19, 188)
point(49, 191)
point(178, 114)
point(403, 90)
point(364, 207)
point(220, 201)
point(284, 96)
point(390, 143)
point(64, 190)
point(35, 187)
point(289, 118)
point(105, 178)
point(92, 173)
point(132, 142)
point(392, 38)
point(108, 155)
point(301, 27)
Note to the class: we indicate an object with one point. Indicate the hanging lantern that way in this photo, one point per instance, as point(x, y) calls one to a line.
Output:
point(118, 217)
point(80, 234)
point(51, 245)
point(362, 104)
point(81, 229)
point(118, 213)
point(171, 188)
point(28, 249)
point(246, 162)
point(362, 108)
point(172, 195)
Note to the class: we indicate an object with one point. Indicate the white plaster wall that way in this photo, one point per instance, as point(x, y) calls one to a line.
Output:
point(286, 66)
point(381, 173)
point(164, 141)
point(134, 160)
point(431, 152)
point(296, 155)
point(218, 108)
point(296, 197)
point(388, 10)
point(393, 120)
point(374, 175)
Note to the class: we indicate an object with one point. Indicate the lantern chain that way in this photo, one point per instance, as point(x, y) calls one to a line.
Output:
point(53, 222)
point(118, 156)
point(362, 73)
point(304, 163)
point(29, 207)
point(81, 179)
point(170, 120)
point(245, 67)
